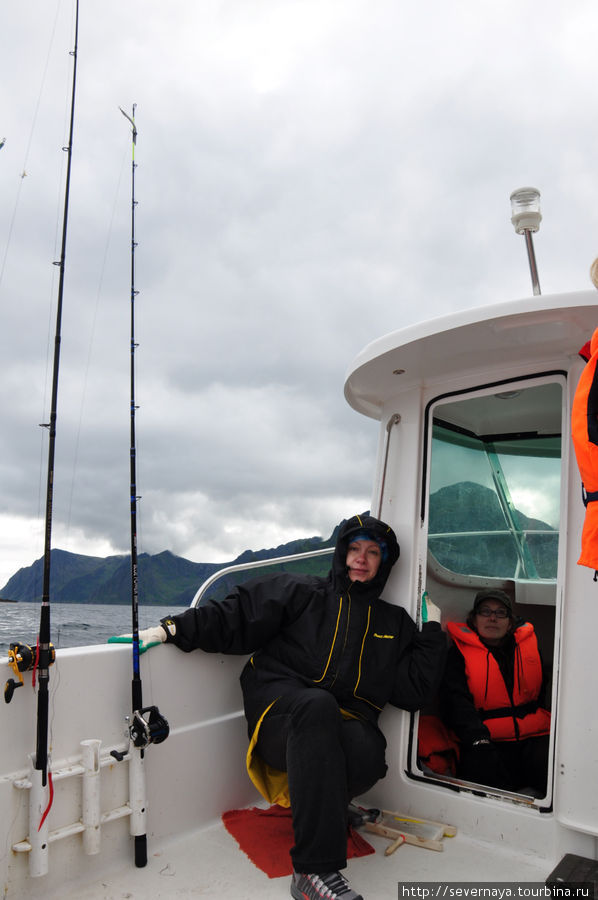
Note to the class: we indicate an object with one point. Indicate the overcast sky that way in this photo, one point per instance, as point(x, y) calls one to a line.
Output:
point(310, 176)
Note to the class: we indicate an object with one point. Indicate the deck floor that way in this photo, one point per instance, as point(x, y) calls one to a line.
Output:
point(209, 864)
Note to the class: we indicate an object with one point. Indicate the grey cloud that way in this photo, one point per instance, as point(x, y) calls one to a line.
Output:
point(309, 177)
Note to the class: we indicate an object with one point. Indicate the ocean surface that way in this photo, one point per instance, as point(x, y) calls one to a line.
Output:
point(74, 624)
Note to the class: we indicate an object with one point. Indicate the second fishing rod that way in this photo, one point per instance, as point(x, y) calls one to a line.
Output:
point(148, 726)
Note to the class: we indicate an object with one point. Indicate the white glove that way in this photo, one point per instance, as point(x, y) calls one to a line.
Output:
point(430, 612)
point(149, 637)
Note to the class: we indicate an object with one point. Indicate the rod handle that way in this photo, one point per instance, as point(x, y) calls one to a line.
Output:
point(140, 850)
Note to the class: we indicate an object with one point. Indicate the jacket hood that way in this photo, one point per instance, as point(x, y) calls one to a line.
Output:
point(381, 532)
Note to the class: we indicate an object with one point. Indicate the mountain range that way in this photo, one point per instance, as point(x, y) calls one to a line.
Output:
point(457, 512)
point(163, 578)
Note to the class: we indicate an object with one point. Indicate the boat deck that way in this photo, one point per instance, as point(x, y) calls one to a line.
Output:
point(209, 864)
point(498, 841)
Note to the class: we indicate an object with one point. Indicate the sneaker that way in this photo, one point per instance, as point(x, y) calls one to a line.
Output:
point(331, 886)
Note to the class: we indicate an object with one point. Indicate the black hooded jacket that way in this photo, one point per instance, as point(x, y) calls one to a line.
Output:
point(308, 631)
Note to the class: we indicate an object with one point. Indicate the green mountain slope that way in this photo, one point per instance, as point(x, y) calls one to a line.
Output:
point(162, 578)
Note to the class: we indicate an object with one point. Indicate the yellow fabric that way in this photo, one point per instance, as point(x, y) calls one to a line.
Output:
point(272, 784)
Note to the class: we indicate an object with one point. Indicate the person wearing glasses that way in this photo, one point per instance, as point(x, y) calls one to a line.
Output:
point(493, 697)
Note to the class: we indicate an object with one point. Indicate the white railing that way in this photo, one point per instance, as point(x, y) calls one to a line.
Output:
point(257, 564)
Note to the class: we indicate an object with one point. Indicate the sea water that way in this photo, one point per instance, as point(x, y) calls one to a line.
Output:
point(74, 624)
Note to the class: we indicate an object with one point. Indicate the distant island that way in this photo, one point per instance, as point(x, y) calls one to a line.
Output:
point(163, 578)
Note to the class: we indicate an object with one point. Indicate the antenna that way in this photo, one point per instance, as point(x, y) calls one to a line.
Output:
point(526, 218)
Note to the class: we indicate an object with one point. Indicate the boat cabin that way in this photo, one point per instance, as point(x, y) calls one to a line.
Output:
point(477, 475)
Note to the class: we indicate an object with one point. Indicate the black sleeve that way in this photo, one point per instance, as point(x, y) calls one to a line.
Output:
point(458, 709)
point(421, 665)
point(250, 616)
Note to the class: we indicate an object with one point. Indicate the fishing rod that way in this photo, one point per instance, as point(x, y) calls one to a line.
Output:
point(136, 685)
point(45, 650)
point(148, 726)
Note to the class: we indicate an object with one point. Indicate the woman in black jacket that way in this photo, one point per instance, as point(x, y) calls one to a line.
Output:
point(327, 654)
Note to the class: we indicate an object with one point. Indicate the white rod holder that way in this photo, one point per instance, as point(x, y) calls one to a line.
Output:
point(91, 811)
point(39, 797)
point(137, 797)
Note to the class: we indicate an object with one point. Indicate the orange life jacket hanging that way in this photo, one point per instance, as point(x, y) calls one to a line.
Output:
point(584, 431)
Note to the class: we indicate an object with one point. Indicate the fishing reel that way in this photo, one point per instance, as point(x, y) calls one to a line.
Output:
point(148, 727)
point(21, 658)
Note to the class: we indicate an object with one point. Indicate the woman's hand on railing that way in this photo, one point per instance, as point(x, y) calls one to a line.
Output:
point(148, 637)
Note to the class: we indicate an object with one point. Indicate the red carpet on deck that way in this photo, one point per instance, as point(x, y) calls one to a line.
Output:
point(266, 836)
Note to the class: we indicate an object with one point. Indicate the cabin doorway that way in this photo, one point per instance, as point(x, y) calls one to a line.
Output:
point(491, 514)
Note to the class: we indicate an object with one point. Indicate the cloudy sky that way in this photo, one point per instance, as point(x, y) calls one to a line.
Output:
point(311, 174)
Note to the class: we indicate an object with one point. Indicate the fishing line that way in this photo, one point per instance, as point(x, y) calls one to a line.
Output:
point(90, 344)
point(29, 142)
point(91, 340)
point(19, 806)
point(52, 315)
point(42, 439)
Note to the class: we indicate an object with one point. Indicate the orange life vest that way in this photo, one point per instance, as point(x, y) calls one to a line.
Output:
point(437, 747)
point(584, 431)
point(506, 719)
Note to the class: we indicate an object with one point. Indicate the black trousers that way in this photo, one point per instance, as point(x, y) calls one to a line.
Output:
point(328, 760)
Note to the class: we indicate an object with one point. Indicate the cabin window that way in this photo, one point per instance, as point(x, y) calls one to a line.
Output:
point(492, 516)
point(495, 484)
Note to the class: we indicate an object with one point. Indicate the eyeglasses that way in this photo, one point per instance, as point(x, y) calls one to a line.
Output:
point(487, 612)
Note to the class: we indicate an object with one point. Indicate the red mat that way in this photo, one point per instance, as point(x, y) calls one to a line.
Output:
point(266, 836)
